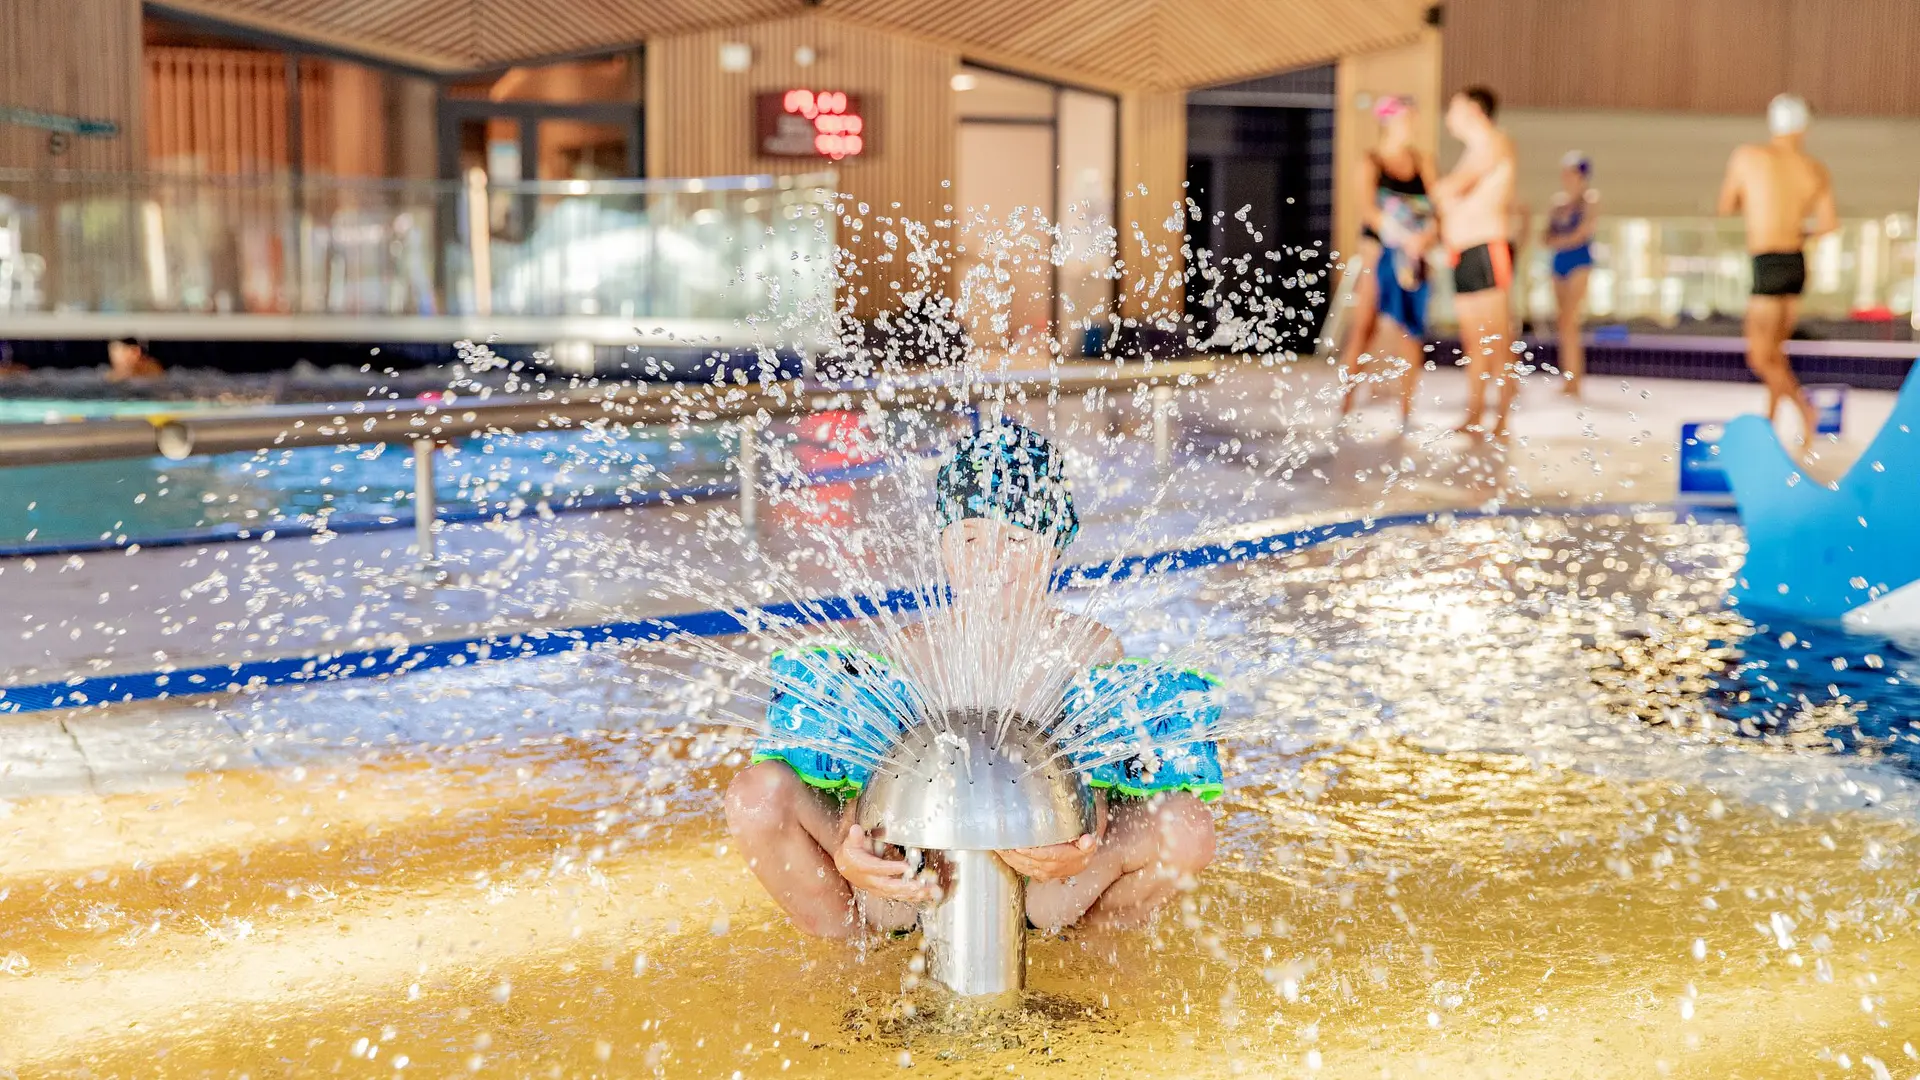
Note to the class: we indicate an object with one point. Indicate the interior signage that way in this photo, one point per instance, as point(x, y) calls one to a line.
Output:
point(810, 123)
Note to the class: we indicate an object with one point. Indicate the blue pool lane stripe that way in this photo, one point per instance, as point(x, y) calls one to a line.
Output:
point(1284, 543)
point(404, 659)
point(401, 660)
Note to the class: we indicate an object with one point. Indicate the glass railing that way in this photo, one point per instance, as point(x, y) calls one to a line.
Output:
point(726, 248)
point(1667, 271)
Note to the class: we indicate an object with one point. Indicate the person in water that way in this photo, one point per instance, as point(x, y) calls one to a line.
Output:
point(1006, 515)
point(1779, 189)
point(1569, 234)
point(1400, 219)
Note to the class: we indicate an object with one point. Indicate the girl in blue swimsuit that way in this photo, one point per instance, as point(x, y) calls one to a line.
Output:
point(1569, 235)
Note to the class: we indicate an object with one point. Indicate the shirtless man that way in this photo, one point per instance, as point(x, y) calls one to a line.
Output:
point(1475, 201)
point(1778, 186)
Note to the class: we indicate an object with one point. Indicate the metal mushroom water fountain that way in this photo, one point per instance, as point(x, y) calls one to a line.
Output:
point(958, 788)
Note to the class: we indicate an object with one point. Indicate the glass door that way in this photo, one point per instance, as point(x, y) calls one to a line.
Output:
point(496, 147)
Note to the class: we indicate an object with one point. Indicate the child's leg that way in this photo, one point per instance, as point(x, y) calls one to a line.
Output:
point(1151, 846)
point(788, 831)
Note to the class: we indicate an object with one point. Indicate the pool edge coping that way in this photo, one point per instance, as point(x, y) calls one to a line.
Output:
point(102, 691)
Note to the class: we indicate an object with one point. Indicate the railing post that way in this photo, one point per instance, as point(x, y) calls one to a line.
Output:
point(1162, 425)
point(480, 240)
point(747, 469)
point(425, 511)
point(1915, 319)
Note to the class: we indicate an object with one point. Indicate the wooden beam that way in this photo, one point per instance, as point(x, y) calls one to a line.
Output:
point(1153, 174)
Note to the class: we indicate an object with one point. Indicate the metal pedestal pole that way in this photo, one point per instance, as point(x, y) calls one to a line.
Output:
point(977, 933)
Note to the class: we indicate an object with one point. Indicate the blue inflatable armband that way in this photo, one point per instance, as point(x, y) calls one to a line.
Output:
point(833, 710)
point(1161, 714)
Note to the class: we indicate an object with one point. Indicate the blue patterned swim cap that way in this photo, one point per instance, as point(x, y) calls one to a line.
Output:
point(1010, 472)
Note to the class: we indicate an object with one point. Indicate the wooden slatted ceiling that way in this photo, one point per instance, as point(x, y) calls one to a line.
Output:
point(1149, 44)
point(1114, 44)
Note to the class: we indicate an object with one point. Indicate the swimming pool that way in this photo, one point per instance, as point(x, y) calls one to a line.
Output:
point(1522, 800)
point(144, 500)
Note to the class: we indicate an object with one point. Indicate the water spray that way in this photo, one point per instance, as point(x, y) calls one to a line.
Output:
point(958, 788)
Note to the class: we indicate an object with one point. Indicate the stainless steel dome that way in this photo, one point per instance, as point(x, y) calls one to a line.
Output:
point(976, 780)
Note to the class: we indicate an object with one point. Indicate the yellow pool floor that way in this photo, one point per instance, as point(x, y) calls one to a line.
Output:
point(1386, 912)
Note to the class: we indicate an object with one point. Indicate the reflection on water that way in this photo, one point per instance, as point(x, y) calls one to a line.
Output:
point(1808, 687)
point(512, 474)
point(1458, 849)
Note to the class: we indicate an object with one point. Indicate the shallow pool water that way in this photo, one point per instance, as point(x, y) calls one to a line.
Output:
point(1499, 816)
point(154, 498)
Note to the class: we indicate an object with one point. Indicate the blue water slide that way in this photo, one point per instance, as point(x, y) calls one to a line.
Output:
point(1819, 551)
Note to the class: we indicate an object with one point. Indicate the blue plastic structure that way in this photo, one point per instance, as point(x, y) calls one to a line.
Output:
point(1816, 551)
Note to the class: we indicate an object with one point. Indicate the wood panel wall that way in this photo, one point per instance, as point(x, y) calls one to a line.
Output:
point(1410, 71)
point(700, 122)
point(356, 144)
point(1654, 165)
point(220, 111)
point(1153, 174)
point(1847, 57)
point(224, 112)
point(75, 58)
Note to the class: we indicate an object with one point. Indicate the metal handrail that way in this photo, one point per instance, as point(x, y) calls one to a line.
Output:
point(426, 425)
point(454, 417)
point(692, 185)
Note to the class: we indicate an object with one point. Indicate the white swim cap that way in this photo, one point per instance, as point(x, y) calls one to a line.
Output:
point(1578, 161)
point(1787, 114)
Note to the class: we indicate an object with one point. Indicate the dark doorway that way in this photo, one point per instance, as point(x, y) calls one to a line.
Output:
point(571, 120)
point(1260, 170)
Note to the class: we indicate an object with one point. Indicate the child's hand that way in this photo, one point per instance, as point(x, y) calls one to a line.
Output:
point(891, 879)
point(1057, 861)
point(1053, 862)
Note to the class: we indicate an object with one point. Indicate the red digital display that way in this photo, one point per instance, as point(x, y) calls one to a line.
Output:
point(810, 123)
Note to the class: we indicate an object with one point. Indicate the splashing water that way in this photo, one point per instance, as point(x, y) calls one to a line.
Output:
point(1506, 796)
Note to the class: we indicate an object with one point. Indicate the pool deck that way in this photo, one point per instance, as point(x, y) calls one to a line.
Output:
point(183, 607)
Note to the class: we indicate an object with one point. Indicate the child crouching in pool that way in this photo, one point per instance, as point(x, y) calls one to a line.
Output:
point(1006, 515)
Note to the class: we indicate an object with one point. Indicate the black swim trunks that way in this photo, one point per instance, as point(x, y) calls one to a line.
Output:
point(1483, 267)
point(1779, 273)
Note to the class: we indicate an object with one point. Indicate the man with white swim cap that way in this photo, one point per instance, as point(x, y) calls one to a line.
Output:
point(1778, 187)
